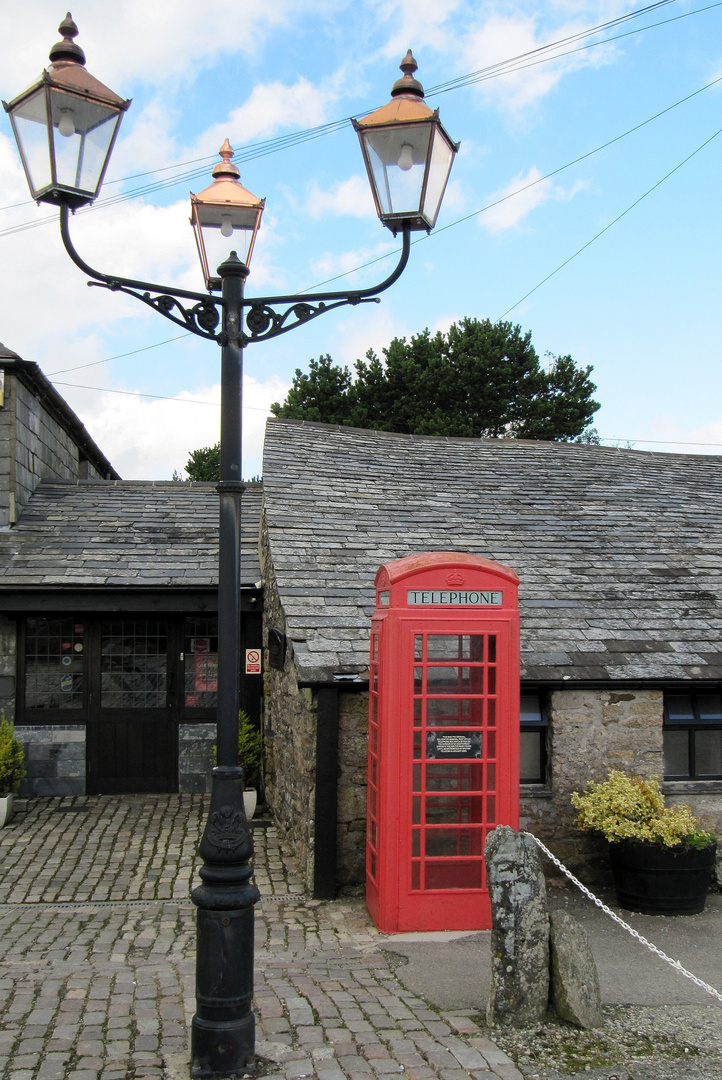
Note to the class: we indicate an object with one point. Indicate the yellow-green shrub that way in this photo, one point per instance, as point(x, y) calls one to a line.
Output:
point(626, 807)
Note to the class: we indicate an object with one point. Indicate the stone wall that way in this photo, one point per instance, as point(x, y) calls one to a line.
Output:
point(352, 760)
point(289, 734)
point(195, 757)
point(590, 732)
point(54, 759)
point(33, 445)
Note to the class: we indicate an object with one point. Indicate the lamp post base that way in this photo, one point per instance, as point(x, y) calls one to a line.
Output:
point(223, 1031)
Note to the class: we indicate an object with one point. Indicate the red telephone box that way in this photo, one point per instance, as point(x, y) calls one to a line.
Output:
point(443, 764)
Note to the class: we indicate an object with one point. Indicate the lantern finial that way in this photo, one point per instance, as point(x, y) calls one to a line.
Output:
point(408, 85)
point(226, 167)
point(67, 49)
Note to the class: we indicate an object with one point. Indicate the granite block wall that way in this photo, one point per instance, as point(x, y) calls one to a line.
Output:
point(289, 733)
point(195, 757)
point(590, 732)
point(54, 759)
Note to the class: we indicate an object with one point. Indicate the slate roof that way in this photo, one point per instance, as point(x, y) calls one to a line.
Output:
point(619, 551)
point(126, 533)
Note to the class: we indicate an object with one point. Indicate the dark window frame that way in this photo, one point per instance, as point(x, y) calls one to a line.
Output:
point(691, 725)
point(539, 727)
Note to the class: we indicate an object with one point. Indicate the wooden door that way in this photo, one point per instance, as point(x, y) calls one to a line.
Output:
point(133, 710)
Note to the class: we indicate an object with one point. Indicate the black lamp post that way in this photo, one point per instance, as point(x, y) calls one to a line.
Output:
point(65, 126)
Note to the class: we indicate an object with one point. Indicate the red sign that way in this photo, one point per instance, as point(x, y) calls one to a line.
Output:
point(253, 661)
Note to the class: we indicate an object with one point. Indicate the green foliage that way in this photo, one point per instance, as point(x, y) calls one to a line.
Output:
point(479, 380)
point(630, 808)
point(12, 758)
point(204, 464)
point(250, 751)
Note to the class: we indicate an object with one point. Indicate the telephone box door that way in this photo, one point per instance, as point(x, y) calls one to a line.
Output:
point(443, 738)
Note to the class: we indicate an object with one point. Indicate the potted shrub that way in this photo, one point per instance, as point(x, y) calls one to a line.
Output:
point(250, 758)
point(661, 857)
point(12, 768)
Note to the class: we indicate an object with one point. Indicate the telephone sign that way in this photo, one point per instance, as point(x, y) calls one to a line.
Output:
point(443, 760)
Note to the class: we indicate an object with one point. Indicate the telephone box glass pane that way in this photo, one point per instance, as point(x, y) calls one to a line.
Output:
point(454, 875)
point(418, 680)
point(455, 680)
point(449, 712)
point(418, 712)
point(491, 716)
point(491, 744)
point(491, 809)
point(454, 647)
point(453, 777)
point(492, 680)
point(418, 647)
point(448, 810)
point(454, 842)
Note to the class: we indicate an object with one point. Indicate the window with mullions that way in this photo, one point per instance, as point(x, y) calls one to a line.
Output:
point(54, 663)
point(693, 736)
point(532, 754)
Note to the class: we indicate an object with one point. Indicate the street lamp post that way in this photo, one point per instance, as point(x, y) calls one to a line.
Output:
point(65, 126)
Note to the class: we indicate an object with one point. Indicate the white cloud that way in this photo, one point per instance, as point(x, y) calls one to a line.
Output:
point(274, 107)
point(520, 196)
point(330, 264)
point(350, 197)
point(133, 40)
point(147, 439)
point(417, 24)
point(498, 38)
point(666, 434)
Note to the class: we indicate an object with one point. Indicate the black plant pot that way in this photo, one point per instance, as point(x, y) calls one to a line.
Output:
point(659, 880)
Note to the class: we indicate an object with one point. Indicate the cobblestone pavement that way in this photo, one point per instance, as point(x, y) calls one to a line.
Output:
point(97, 957)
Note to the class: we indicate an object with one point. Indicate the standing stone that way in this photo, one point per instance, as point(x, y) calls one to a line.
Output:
point(519, 929)
point(575, 992)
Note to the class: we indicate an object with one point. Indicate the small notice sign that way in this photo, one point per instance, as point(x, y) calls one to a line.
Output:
point(453, 744)
point(253, 661)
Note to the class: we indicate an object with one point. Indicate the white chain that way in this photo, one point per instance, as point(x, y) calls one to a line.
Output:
point(630, 929)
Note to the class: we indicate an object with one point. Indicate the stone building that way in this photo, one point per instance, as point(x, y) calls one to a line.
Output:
point(620, 559)
point(108, 607)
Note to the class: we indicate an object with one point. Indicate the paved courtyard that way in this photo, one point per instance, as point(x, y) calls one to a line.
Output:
point(97, 954)
point(97, 957)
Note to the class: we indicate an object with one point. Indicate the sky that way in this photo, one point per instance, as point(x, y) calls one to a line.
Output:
point(584, 204)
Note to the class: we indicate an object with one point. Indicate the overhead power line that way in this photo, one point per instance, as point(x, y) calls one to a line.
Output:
point(541, 54)
point(258, 408)
point(614, 222)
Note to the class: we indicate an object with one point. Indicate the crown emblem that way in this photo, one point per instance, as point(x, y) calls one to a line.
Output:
point(455, 578)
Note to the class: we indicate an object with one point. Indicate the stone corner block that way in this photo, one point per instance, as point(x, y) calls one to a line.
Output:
point(575, 993)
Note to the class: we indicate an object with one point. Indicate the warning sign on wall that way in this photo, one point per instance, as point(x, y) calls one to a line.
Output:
point(253, 661)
